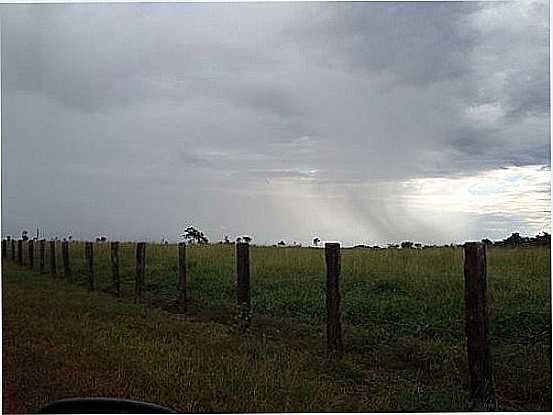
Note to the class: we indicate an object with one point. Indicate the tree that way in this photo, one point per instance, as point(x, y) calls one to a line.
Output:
point(544, 239)
point(407, 244)
point(316, 241)
point(193, 235)
point(239, 239)
point(227, 240)
point(24, 235)
point(514, 240)
point(281, 243)
point(247, 239)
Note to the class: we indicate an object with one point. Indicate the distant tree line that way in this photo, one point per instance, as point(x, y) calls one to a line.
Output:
point(542, 239)
point(193, 235)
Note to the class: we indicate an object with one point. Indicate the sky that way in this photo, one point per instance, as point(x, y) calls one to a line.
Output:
point(364, 123)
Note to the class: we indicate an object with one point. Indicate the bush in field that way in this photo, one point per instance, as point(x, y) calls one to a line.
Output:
point(516, 240)
point(193, 235)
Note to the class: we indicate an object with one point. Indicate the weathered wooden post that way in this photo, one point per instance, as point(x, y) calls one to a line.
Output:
point(31, 249)
point(115, 268)
point(89, 262)
point(482, 386)
point(4, 250)
point(182, 300)
point(334, 340)
point(140, 269)
point(20, 251)
point(243, 283)
point(65, 259)
point(53, 258)
point(13, 250)
point(42, 256)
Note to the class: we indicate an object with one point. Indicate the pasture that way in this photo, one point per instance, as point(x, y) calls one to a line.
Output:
point(403, 326)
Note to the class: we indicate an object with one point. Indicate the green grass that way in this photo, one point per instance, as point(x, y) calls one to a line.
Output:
point(403, 323)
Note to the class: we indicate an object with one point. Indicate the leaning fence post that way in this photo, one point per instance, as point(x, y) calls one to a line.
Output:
point(334, 340)
point(89, 262)
point(115, 268)
point(20, 251)
point(42, 256)
point(65, 259)
point(31, 249)
point(482, 386)
point(140, 269)
point(53, 258)
point(13, 250)
point(243, 282)
point(182, 276)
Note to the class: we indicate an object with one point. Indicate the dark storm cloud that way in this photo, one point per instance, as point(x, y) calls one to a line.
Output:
point(216, 112)
point(416, 42)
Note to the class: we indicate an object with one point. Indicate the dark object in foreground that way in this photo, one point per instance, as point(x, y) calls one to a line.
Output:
point(140, 270)
point(482, 386)
point(89, 262)
point(102, 406)
point(335, 344)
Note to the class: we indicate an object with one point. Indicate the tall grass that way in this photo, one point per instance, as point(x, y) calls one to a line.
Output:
point(403, 308)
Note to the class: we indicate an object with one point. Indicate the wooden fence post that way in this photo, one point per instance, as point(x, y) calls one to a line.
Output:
point(89, 262)
point(31, 249)
point(13, 250)
point(115, 268)
point(20, 251)
point(482, 386)
point(65, 259)
point(182, 300)
point(334, 340)
point(4, 250)
point(140, 269)
point(42, 256)
point(53, 258)
point(243, 283)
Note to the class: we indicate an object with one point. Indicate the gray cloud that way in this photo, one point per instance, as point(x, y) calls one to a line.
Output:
point(211, 112)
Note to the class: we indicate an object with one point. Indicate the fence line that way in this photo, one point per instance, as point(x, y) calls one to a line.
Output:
point(20, 252)
point(482, 387)
point(65, 260)
point(182, 300)
point(53, 258)
point(42, 255)
point(115, 268)
point(243, 283)
point(89, 262)
point(31, 251)
point(334, 340)
point(140, 270)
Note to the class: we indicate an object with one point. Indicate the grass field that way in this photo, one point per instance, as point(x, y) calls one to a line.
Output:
point(403, 323)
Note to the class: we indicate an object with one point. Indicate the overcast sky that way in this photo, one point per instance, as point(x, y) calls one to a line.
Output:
point(357, 122)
